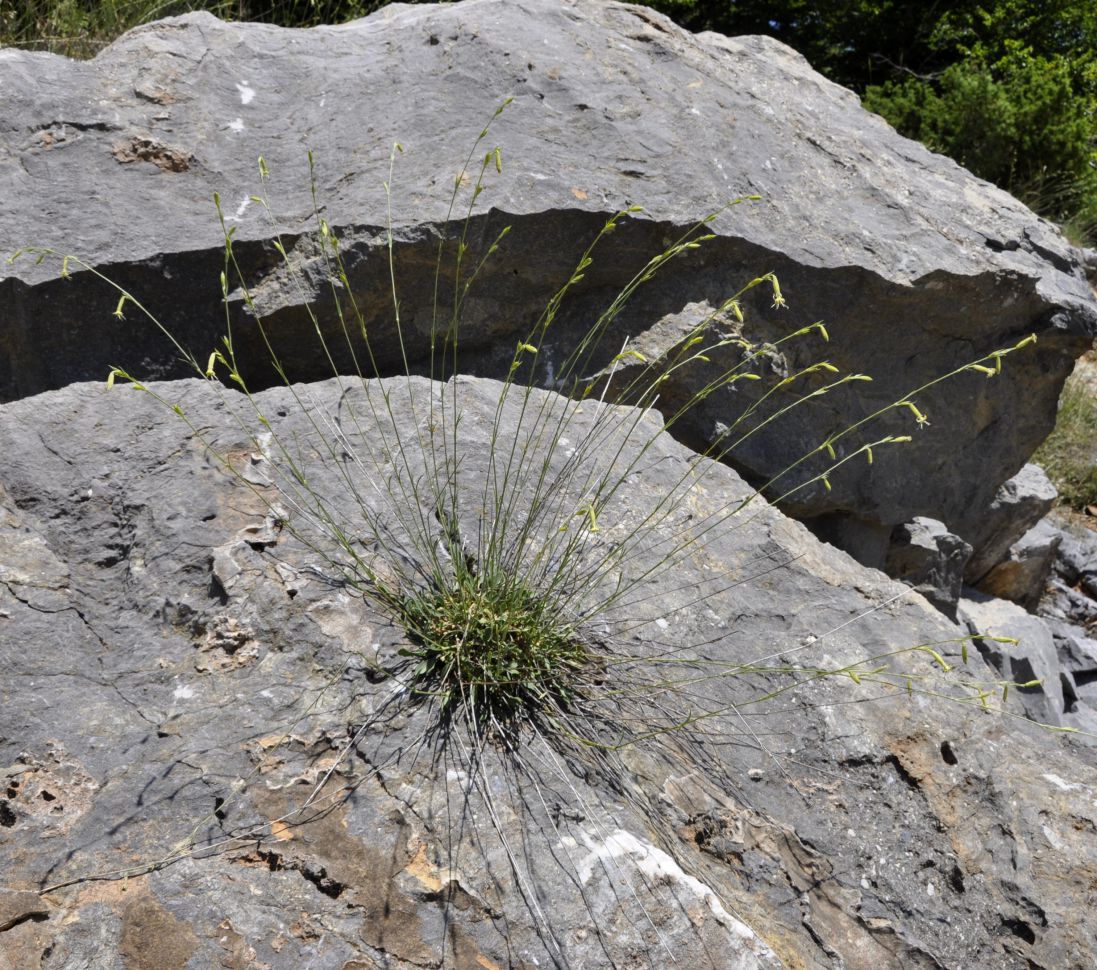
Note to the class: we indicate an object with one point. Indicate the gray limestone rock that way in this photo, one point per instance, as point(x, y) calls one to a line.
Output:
point(1063, 602)
point(925, 555)
point(1082, 718)
point(868, 542)
point(1019, 504)
point(1076, 558)
point(1077, 652)
point(914, 265)
point(1023, 575)
point(1088, 259)
point(209, 751)
point(1070, 599)
point(1078, 664)
point(1033, 658)
point(187, 680)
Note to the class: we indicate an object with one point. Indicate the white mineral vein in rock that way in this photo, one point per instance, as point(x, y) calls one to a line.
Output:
point(1059, 783)
point(657, 866)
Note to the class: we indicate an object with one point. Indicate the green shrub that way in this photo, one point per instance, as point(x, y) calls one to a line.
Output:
point(1026, 124)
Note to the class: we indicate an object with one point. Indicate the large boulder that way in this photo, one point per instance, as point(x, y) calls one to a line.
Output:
point(915, 265)
point(188, 683)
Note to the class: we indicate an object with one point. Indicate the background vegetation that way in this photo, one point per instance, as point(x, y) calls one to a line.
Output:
point(1070, 453)
point(81, 28)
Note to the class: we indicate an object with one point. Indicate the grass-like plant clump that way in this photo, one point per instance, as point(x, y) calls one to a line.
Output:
point(1069, 456)
point(490, 645)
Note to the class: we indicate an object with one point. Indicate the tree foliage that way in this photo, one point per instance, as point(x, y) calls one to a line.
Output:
point(854, 43)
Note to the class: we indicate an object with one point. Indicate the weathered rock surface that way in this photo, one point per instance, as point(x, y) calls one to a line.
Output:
point(1068, 608)
point(1078, 672)
point(925, 555)
point(1023, 575)
point(1020, 503)
point(1041, 594)
point(1076, 557)
point(1033, 660)
point(1070, 596)
point(915, 265)
point(179, 673)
